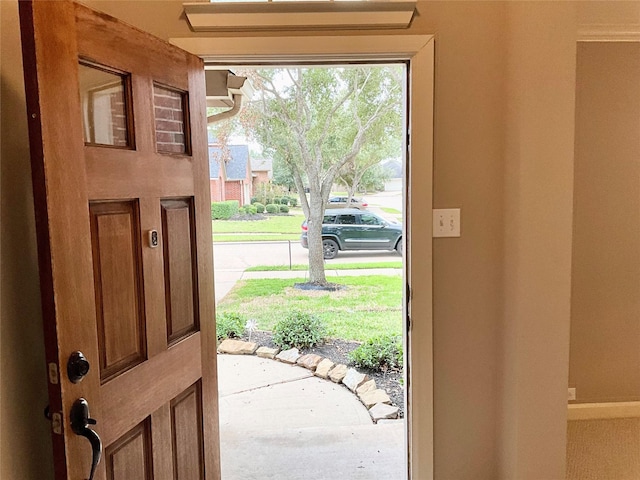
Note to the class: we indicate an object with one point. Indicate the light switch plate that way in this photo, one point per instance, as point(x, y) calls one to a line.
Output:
point(446, 222)
point(572, 394)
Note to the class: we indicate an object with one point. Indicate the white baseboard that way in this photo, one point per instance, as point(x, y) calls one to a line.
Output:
point(596, 411)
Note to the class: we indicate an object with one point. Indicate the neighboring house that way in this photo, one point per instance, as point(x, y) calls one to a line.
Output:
point(261, 171)
point(230, 173)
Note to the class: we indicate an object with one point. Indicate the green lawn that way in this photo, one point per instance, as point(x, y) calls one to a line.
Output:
point(393, 211)
point(369, 306)
point(279, 227)
point(276, 224)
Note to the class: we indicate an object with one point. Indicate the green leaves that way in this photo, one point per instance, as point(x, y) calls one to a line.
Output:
point(300, 330)
point(378, 353)
point(229, 325)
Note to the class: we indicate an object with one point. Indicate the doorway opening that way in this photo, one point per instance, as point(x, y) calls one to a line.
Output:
point(332, 139)
point(418, 52)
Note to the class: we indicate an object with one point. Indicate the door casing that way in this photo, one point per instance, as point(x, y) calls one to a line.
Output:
point(418, 51)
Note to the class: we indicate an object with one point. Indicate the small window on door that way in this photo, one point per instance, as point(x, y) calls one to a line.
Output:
point(172, 120)
point(106, 106)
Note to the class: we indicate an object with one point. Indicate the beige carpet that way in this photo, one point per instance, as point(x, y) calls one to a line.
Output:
point(603, 449)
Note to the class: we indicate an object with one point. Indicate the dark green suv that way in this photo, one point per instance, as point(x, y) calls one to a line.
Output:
point(353, 229)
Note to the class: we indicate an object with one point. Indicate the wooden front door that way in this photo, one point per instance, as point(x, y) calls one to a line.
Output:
point(117, 128)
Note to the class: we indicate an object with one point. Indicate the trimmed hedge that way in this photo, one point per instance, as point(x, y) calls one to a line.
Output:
point(224, 210)
point(259, 207)
point(284, 209)
point(272, 208)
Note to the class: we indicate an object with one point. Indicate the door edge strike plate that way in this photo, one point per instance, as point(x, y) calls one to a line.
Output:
point(56, 423)
point(54, 378)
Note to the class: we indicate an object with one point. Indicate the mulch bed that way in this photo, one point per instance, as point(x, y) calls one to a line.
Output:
point(337, 351)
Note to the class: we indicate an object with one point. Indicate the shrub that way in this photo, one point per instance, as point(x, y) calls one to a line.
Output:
point(229, 324)
point(251, 209)
point(272, 208)
point(300, 330)
point(259, 207)
point(224, 210)
point(284, 200)
point(284, 209)
point(276, 200)
point(254, 200)
point(293, 201)
point(378, 353)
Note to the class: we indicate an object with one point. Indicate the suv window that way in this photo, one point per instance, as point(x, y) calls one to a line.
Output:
point(346, 219)
point(329, 219)
point(368, 219)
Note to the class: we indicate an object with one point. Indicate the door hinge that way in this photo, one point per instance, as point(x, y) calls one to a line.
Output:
point(54, 378)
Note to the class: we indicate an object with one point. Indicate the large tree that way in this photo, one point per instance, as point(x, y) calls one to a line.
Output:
point(316, 120)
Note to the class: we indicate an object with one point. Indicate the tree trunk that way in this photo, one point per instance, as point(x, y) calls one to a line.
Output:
point(314, 236)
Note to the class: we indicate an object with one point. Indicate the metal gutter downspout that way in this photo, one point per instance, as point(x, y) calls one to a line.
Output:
point(232, 112)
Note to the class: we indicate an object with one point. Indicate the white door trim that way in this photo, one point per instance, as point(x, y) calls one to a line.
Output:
point(418, 50)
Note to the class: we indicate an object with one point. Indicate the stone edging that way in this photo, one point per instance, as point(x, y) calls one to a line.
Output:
point(374, 399)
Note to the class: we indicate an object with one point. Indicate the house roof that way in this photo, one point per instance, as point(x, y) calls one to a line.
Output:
point(214, 165)
point(236, 165)
point(261, 164)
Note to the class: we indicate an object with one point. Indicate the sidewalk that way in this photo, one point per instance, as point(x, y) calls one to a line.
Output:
point(328, 272)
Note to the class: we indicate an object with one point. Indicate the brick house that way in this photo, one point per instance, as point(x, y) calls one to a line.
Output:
point(261, 171)
point(230, 173)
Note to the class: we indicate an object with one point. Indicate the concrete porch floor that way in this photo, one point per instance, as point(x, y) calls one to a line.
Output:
point(278, 421)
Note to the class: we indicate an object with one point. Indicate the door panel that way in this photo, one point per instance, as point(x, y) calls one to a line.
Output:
point(180, 274)
point(110, 168)
point(117, 270)
point(186, 411)
point(130, 456)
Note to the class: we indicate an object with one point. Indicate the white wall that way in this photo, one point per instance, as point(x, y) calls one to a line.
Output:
point(538, 215)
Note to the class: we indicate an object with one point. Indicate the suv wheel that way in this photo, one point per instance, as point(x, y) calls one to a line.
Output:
point(329, 249)
point(399, 247)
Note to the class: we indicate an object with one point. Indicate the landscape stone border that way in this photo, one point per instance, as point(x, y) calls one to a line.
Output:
point(376, 400)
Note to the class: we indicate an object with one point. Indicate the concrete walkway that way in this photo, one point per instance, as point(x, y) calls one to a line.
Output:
point(278, 421)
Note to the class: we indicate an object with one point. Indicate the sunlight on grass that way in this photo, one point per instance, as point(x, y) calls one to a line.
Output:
point(391, 210)
point(282, 224)
point(369, 306)
point(256, 237)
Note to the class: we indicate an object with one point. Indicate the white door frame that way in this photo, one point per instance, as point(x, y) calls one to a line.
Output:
point(418, 50)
